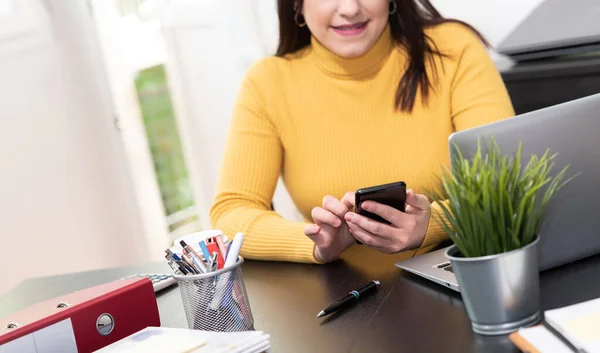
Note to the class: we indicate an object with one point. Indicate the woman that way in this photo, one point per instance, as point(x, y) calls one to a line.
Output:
point(360, 93)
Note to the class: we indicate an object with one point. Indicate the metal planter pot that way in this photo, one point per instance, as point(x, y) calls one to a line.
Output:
point(500, 292)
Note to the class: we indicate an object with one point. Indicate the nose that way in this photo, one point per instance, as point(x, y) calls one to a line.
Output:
point(349, 8)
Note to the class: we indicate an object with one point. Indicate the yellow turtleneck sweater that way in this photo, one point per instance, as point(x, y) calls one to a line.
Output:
point(328, 126)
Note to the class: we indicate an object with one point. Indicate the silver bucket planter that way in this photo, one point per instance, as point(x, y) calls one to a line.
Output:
point(500, 292)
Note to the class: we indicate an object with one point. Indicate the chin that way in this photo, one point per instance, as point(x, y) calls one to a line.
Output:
point(351, 51)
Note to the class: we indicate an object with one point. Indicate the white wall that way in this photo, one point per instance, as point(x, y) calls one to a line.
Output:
point(66, 199)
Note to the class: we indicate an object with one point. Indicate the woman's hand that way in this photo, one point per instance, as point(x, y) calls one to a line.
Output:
point(330, 231)
point(406, 231)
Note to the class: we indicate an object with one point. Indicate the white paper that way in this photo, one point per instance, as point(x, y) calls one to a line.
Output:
point(57, 338)
point(544, 340)
point(579, 323)
point(176, 340)
point(24, 344)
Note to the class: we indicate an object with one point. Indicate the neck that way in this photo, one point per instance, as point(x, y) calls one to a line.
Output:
point(366, 64)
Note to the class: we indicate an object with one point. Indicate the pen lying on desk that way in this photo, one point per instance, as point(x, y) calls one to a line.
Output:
point(351, 298)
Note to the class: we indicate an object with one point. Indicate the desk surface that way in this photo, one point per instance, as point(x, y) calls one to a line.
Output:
point(408, 314)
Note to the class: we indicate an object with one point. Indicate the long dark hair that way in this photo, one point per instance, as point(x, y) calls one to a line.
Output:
point(407, 25)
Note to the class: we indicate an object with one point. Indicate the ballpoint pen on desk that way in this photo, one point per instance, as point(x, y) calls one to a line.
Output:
point(351, 298)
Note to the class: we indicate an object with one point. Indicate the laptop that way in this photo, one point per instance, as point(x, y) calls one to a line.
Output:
point(553, 28)
point(571, 229)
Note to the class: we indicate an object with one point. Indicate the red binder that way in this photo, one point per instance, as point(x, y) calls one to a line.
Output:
point(95, 317)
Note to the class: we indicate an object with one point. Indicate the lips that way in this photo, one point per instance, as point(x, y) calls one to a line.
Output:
point(351, 27)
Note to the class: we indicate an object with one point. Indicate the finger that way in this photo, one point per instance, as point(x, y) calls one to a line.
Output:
point(376, 228)
point(418, 201)
point(322, 216)
point(349, 200)
point(324, 237)
point(334, 206)
point(311, 229)
point(390, 214)
point(366, 238)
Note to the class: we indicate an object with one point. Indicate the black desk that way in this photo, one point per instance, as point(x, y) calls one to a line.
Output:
point(408, 314)
point(542, 83)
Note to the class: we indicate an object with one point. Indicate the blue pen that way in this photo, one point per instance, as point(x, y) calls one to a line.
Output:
point(227, 252)
point(183, 264)
point(204, 250)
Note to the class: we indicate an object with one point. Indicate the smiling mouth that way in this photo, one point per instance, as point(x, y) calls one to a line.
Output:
point(351, 27)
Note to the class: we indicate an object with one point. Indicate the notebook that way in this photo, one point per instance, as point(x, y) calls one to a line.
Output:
point(578, 324)
point(538, 339)
point(177, 340)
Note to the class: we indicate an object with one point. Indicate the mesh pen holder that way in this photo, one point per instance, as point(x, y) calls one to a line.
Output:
point(216, 301)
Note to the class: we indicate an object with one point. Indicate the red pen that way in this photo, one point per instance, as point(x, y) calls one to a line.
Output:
point(211, 245)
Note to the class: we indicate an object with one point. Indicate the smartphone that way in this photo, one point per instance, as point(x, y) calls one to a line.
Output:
point(393, 194)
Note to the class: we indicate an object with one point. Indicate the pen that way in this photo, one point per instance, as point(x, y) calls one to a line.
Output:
point(174, 265)
point(183, 264)
point(234, 250)
point(214, 261)
point(204, 250)
point(351, 298)
point(195, 259)
point(190, 263)
point(210, 264)
point(221, 246)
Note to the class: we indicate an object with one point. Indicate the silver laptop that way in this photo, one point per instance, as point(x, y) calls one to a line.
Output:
point(555, 27)
point(571, 230)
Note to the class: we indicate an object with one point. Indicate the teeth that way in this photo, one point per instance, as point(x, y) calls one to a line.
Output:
point(354, 26)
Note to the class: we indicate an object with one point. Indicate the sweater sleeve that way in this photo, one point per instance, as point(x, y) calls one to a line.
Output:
point(478, 97)
point(251, 166)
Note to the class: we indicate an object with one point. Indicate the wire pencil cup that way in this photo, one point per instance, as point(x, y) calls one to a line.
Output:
point(216, 301)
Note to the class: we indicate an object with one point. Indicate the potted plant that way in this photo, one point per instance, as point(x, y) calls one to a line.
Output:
point(492, 207)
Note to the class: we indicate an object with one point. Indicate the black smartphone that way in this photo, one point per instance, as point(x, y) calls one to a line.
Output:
point(393, 194)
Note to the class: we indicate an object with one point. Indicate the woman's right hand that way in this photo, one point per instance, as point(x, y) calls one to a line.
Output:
point(330, 231)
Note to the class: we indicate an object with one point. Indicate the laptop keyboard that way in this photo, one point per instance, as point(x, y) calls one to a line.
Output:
point(446, 266)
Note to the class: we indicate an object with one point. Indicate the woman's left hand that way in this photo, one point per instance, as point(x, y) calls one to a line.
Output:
point(406, 231)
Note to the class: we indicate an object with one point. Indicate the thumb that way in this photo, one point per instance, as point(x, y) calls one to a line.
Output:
point(417, 201)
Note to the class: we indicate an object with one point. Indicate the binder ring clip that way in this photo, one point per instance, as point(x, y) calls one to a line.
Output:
point(12, 325)
point(105, 324)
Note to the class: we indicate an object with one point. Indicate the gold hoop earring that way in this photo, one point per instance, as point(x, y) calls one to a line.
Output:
point(298, 23)
point(393, 7)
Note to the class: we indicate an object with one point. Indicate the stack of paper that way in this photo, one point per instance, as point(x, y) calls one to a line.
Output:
point(539, 339)
point(175, 340)
point(577, 324)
